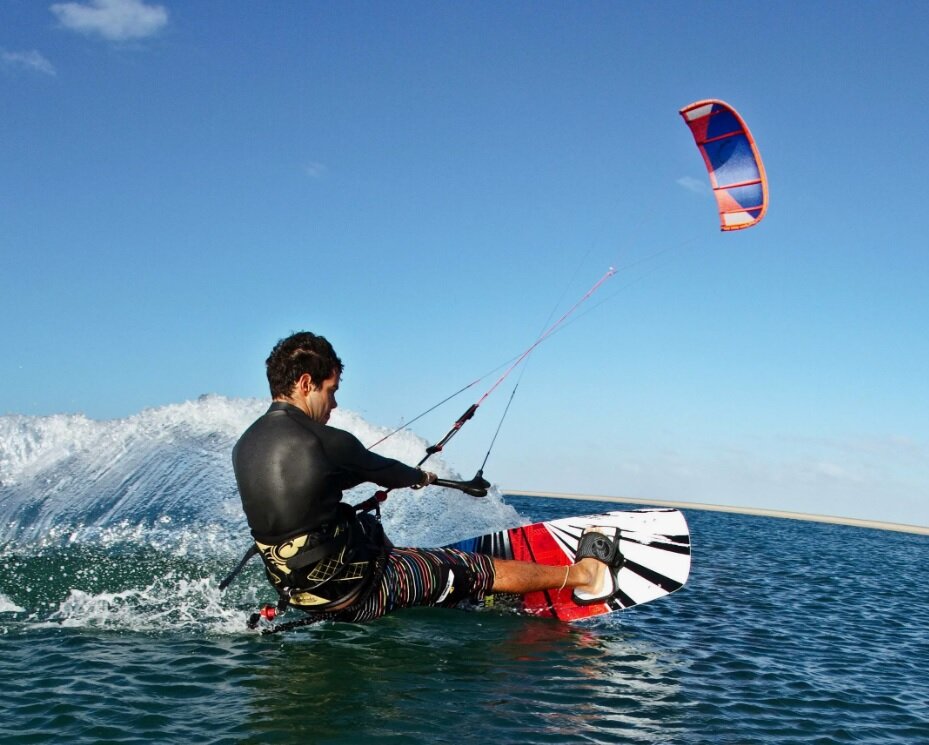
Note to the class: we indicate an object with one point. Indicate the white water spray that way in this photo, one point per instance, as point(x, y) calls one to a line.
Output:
point(162, 482)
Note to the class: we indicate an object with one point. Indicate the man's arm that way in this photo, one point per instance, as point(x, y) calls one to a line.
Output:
point(348, 453)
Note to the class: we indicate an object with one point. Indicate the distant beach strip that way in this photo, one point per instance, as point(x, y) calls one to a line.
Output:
point(876, 524)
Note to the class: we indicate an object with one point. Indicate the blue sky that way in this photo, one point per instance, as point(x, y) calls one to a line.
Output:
point(181, 184)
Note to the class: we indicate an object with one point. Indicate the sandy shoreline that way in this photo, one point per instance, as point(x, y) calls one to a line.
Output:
point(876, 524)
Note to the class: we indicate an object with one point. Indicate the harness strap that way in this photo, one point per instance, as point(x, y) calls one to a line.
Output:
point(303, 559)
point(318, 553)
point(242, 562)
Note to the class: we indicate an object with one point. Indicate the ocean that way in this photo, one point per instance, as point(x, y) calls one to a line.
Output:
point(114, 535)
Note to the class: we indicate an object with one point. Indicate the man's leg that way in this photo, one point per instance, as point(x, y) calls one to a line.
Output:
point(445, 576)
point(420, 576)
point(520, 577)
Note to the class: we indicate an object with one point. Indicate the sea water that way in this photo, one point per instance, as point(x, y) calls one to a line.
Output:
point(114, 535)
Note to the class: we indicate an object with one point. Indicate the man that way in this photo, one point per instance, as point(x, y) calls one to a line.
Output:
point(322, 557)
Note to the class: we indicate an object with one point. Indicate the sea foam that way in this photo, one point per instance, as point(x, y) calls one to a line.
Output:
point(164, 477)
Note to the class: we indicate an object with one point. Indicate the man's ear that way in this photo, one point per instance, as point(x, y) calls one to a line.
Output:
point(305, 384)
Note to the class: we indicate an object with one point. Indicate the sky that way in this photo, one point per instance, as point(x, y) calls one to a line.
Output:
point(430, 184)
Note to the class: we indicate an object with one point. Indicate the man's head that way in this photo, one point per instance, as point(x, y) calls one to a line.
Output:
point(302, 365)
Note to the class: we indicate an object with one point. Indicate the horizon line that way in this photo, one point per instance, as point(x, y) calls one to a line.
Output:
point(759, 511)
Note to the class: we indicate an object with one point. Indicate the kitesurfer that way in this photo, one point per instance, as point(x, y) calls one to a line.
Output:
point(291, 469)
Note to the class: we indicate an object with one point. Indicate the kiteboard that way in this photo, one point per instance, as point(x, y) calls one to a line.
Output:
point(655, 544)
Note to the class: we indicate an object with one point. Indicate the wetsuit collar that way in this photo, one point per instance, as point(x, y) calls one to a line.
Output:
point(284, 406)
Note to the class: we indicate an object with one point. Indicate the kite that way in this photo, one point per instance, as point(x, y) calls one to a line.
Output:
point(732, 161)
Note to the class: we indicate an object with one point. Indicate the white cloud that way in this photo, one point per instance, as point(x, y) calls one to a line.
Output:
point(835, 472)
point(694, 185)
point(31, 60)
point(315, 170)
point(115, 20)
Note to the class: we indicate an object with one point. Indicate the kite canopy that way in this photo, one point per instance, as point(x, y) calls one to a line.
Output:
point(732, 161)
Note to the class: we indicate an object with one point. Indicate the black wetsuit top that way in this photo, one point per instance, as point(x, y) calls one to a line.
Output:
point(291, 472)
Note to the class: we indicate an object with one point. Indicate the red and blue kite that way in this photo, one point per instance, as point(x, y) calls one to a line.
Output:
point(732, 160)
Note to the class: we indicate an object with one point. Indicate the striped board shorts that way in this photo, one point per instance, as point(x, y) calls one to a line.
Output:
point(425, 577)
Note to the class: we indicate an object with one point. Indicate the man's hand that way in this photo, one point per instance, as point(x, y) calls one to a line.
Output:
point(428, 478)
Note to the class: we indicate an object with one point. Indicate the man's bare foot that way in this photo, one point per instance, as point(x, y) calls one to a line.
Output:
point(600, 559)
point(590, 574)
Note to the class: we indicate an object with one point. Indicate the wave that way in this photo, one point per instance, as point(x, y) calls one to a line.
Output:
point(136, 518)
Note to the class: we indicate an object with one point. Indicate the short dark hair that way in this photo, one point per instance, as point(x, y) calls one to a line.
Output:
point(300, 353)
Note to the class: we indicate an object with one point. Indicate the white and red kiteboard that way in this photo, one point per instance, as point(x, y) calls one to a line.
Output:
point(654, 542)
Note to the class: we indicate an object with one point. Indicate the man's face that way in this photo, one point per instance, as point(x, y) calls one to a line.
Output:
point(320, 401)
